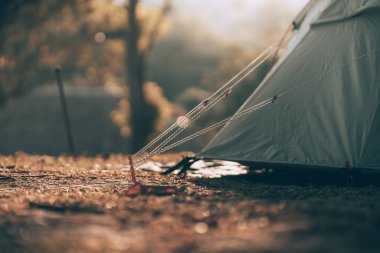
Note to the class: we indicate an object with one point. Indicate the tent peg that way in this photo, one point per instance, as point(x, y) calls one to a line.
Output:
point(132, 167)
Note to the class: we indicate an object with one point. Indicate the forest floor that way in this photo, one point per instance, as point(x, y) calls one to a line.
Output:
point(57, 204)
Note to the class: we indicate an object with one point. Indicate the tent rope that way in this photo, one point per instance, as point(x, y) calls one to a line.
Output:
point(194, 115)
point(208, 106)
point(329, 72)
point(209, 102)
point(208, 129)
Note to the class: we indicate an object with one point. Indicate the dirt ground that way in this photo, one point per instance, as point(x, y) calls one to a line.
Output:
point(58, 204)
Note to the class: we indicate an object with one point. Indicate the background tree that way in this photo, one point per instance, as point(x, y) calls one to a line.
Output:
point(139, 47)
point(95, 41)
point(104, 43)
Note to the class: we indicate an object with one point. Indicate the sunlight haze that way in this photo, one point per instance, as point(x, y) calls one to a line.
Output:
point(238, 21)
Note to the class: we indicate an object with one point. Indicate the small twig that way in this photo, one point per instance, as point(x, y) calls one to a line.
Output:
point(40, 176)
point(5, 178)
point(8, 166)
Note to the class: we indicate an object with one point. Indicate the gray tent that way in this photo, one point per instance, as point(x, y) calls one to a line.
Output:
point(33, 123)
point(329, 123)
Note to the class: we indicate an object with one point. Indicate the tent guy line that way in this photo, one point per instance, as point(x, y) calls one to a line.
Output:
point(223, 93)
point(161, 148)
point(257, 106)
point(213, 99)
point(329, 72)
point(209, 128)
point(227, 91)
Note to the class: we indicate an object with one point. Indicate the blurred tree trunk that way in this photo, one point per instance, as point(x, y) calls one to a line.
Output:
point(136, 56)
point(135, 79)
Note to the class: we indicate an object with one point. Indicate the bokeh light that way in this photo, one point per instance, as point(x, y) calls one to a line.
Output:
point(100, 37)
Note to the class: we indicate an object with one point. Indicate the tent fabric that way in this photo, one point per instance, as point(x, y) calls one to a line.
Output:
point(339, 10)
point(330, 120)
point(310, 10)
point(327, 11)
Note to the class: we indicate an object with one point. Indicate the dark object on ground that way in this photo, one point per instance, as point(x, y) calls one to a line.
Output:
point(184, 165)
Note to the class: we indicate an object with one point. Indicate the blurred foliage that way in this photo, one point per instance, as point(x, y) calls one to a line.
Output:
point(85, 37)
point(188, 54)
point(60, 33)
point(231, 62)
point(192, 96)
point(159, 109)
point(234, 61)
point(88, 39)
point(200, 65)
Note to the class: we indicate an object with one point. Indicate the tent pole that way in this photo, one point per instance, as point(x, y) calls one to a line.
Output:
point(65, 111)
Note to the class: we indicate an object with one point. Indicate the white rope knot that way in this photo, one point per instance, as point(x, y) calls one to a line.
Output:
point(227, 92)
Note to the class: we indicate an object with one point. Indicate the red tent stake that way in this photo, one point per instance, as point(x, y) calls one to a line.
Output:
point(133, 175)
